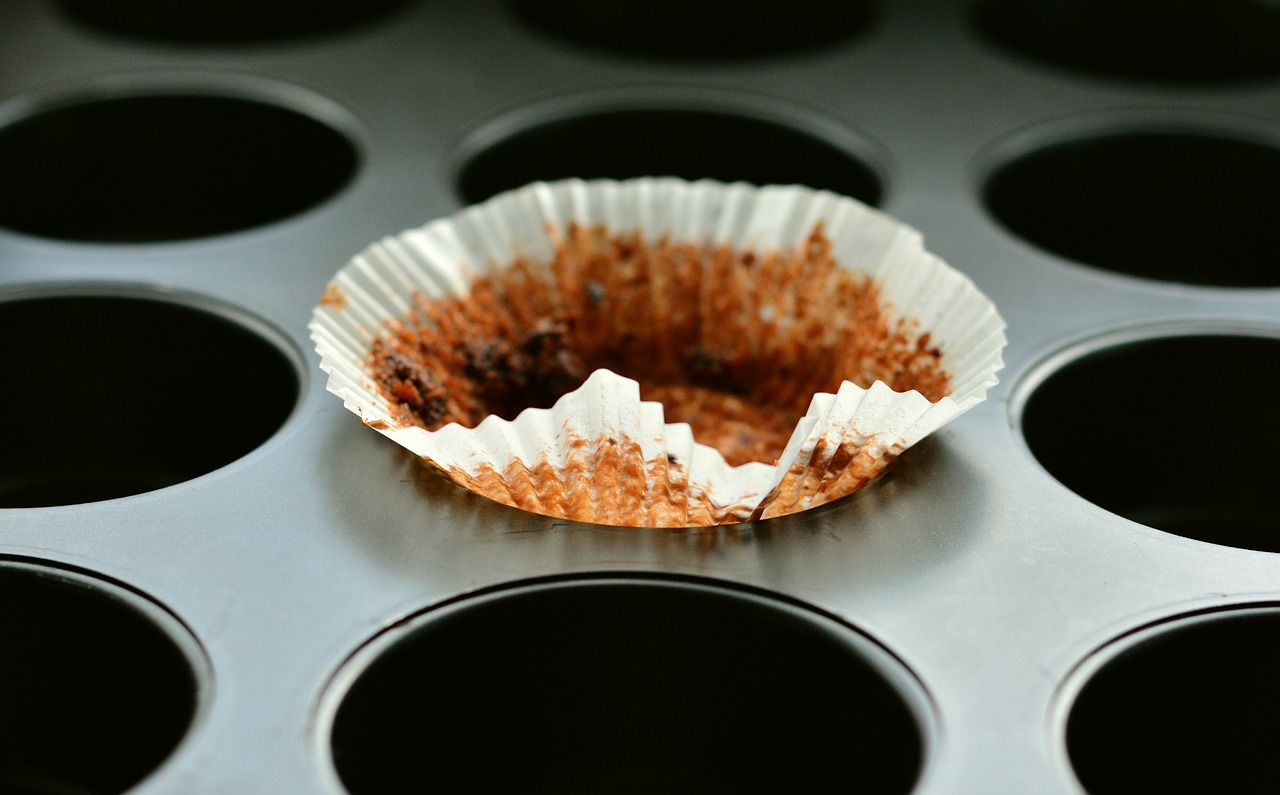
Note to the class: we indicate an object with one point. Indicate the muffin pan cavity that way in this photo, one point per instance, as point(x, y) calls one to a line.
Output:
point(1161, 203)
point(126, 392)
point(99, 685)
point(627, 686)
point(1171, 430)
point(165, 167)
point(1187, 706)
point(697, 32)
point(675, 141)
point(1183, 43)
point(226, 22)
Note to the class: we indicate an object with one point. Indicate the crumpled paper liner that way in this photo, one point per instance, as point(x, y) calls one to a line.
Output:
point(600, 454)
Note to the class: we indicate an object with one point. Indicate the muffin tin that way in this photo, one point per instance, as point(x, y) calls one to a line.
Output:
point(212, 572)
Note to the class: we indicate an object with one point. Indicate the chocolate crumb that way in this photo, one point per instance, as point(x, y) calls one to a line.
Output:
point(533, 373)
point(706, 367)
point(414, 386)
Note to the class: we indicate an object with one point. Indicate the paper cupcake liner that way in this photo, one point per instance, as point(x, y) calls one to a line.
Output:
point(600, 453)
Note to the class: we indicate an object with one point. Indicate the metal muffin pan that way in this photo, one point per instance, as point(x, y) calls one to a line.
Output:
point(193, 527)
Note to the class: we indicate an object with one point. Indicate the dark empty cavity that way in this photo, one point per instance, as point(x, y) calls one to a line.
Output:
point(109, 396)
point(690, 144)
point(165, 167)
point(1195, 708)
point(96, 694)
point(1174, 433)
point(626, 687)
point(701, 31)
point(1174, 206)
point(226, 22)
point(1187, 42)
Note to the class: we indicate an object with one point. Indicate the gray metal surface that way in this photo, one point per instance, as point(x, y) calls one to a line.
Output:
point(988, 579)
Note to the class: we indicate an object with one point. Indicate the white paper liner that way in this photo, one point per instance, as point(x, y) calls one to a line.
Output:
point(844, 441)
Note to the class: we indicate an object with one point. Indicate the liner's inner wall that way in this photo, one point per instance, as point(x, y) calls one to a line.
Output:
point(735, 342)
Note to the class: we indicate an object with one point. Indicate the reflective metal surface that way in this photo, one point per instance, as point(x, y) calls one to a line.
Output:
point(970, 570)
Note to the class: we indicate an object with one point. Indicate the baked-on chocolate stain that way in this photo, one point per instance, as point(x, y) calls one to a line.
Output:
point(735, 343)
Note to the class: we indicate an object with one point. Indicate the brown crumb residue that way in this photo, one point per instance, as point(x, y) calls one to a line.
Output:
point(334, 297)
point(735, 343)
point(826, 472)
point(596, 482)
